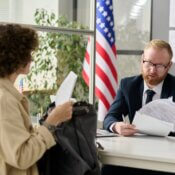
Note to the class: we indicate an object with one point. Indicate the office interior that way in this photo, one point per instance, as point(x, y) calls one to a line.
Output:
point(64, 27)
point(136, 22)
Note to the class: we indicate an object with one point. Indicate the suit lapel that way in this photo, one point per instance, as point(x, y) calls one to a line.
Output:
point(165, 88)
point(137, 95)
point(140, 95)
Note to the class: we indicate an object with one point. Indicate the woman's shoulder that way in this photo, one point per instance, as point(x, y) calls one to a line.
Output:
point(6, 98)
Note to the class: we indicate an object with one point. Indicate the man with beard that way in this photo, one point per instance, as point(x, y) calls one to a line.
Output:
point(134, 92)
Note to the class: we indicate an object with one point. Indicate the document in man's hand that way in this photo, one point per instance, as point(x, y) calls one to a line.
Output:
point(65, 90)
point(156, 118)
point(146, 124)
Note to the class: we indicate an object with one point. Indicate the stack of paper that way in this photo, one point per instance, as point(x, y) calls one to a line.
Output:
point(146, 124)
point(156, 118)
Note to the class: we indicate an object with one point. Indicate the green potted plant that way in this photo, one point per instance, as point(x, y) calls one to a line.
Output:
point(57, 55)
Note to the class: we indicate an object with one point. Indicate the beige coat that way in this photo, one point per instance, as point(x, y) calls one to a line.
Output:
point(20, 145)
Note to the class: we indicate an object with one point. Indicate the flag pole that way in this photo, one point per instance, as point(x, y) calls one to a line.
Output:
point(92, 52)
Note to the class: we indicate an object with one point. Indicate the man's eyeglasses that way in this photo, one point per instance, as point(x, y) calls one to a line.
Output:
point(159, 67)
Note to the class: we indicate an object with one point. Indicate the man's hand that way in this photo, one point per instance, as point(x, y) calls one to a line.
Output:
point(124, 129)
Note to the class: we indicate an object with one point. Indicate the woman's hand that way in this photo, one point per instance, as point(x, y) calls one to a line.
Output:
point(60, 113)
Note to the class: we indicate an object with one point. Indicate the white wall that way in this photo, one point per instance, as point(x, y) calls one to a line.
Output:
point(22, 11)
point(4, 10)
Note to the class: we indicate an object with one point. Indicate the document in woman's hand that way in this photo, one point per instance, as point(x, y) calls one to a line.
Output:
point(65, 90)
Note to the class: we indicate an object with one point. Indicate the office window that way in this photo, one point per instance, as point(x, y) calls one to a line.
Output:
point(58, 53)
point(132, 24)
point(122, 65)
point(22, 11)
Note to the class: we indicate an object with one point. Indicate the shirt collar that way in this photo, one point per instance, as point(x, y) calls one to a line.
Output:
point(157, 89)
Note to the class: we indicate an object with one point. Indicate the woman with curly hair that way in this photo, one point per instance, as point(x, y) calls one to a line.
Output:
point(21, 146)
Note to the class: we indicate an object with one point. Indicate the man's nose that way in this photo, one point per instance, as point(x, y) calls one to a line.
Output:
point(153, 68)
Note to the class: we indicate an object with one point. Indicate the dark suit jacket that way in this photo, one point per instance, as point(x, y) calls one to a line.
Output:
point(129, 98)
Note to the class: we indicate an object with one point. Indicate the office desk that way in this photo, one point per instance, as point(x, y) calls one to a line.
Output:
point(154, 153)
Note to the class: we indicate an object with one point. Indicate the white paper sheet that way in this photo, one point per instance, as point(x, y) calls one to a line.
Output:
point(152, 126)
point(65, 90)
point(162, 109)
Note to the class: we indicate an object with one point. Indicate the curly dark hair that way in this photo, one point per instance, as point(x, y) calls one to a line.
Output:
point(16, 46)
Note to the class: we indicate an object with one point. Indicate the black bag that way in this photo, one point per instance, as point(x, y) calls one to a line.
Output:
point(76, 152)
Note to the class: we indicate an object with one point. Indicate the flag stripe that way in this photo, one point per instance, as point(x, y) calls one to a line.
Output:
point(114, 50)
point(106, 57)
point(100, 94)
point(102, 64)
point(104, 88)
point(105, 45)
point(87, 57)
point(101, 110)
point(105, 79)
point(85, 77)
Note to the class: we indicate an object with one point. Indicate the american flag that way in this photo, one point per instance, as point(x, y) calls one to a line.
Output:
point(21, 85)
point(106, 73)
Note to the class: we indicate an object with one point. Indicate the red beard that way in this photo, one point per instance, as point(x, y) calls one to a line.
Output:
point(153, 79)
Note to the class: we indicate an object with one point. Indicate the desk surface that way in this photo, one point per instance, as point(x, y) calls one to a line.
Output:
point(141, 151)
